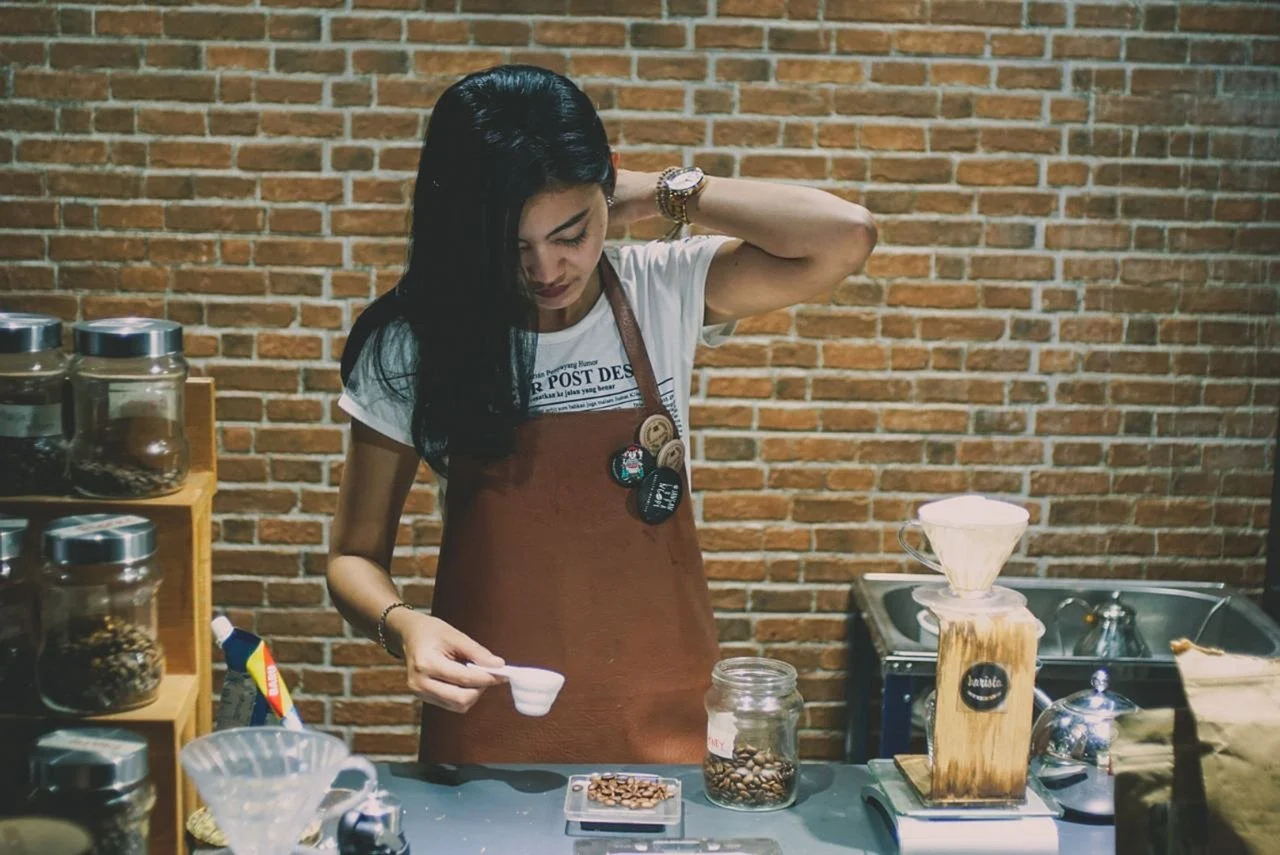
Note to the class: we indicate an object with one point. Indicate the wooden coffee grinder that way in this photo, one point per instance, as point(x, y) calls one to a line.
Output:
point(981, 726)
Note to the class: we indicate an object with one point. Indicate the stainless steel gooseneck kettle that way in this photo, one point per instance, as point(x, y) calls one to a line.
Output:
point(1112, 630)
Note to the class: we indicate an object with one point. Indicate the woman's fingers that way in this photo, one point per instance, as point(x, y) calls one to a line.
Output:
point(446, 695)
point(436, 655)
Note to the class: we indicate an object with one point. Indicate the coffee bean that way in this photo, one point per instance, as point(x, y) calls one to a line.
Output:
point(33, 464)
point(751, 778)
point(118, 480)
point(129, 457)
point(100, 665)
point(628, 791)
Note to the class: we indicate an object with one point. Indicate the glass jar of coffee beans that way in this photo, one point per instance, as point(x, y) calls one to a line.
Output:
point(100, 650)
point(96, 777)
point(18, 640)
point(753, 712)
point(33, 374)
point(129, 379)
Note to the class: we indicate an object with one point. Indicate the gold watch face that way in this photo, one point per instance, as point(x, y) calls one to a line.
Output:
point(684, 180)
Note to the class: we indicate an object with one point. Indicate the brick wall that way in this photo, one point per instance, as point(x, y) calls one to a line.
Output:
point(1073, 302)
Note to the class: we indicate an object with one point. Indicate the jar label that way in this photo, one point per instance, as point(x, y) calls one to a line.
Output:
point(105, 746)
point(984, 686)
point(27, 420)
point(722, 733)
point(101, 525)
point(132, 400)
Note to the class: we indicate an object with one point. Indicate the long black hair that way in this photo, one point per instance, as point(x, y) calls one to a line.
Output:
point(495, 138)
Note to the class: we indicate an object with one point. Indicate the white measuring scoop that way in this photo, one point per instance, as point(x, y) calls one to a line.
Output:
point(534, 690)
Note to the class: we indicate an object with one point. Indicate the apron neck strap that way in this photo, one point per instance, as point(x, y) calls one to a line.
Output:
point(632, 339)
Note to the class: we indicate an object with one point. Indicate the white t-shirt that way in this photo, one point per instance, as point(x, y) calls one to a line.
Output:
point(585, 366)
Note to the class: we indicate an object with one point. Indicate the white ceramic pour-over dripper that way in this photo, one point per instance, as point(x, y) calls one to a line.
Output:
point(972, 537)
point(264, 784)
point(534, 690)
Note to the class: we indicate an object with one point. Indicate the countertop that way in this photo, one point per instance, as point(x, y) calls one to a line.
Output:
point(495, 810)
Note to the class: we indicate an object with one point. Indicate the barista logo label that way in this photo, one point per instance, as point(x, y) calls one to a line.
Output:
point(984, 686)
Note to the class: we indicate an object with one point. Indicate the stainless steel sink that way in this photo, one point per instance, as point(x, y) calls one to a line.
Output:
point(890, 651)
point(1165, 611)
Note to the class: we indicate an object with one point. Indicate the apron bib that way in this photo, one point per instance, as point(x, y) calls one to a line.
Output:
point(546, 562)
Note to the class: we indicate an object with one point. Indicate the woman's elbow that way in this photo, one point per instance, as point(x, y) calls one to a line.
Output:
point(861, 238)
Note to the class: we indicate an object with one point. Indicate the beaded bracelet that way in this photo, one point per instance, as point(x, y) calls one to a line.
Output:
point(382, 625)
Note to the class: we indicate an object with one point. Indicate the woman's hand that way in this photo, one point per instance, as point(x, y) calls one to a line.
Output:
point(634, 197)
point(435, 655)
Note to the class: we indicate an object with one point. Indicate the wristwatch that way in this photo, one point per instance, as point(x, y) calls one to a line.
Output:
point(676, 185)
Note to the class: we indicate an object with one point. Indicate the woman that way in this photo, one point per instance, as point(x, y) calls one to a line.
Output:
point(520, 359)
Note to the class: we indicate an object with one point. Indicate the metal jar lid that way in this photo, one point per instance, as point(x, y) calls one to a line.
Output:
point(127, 337)
point(27, 332)
point(99, 539)
point(89, 758)
point(12, 530)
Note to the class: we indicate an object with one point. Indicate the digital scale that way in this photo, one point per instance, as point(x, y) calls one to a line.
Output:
point(1025, 829)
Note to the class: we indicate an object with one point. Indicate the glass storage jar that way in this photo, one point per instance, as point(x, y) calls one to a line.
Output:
point(18, 639)
point(100, 651)
point(96, 777)
point(128, 377)
point(33, 373)
point(753, 711)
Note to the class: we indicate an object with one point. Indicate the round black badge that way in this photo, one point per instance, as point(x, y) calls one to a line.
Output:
point(630, 465)
point(984, 686)
point(659, 495)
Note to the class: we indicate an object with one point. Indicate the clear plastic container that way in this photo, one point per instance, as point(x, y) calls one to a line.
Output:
point(18, 640)
point(753, 713)
point(100, 650)
point(129, 379)
point(33, 373)
point(96, 777)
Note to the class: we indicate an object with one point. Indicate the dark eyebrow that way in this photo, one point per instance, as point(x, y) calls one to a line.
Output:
point(574, 220)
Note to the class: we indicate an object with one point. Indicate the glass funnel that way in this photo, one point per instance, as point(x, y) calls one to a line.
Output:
point(264, 784)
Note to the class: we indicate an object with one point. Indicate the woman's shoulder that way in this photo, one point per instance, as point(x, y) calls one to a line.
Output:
point(669, 258)
point(380, 335)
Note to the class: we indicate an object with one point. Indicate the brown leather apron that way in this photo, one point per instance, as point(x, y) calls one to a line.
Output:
point(546, 562)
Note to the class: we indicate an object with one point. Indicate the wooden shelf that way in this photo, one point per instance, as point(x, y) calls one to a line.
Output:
point(184, 557)
point(176, 702)
point(196, 485)
point(167, 723)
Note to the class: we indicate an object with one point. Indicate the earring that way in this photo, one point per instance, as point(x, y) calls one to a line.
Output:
point(608, 201)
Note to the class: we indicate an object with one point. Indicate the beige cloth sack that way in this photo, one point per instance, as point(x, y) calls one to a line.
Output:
point(1204, 780)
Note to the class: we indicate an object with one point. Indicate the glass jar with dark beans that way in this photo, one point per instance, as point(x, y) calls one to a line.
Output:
point(33, 375)
point(753, 713)
point(100, 650)
point(129, 379)
point(17, 622)
point(97, 778)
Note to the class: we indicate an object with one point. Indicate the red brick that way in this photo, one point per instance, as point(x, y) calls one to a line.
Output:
point(818, 71)
point(940, 42)
point(1000, 13)
point(914, 170)
point(91, 55)
point(997, 172)
point(1099, 236)
point(888, 11)
point(1221, 18)
point(1021, 140)
point(27, 21)
point(902, 102)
